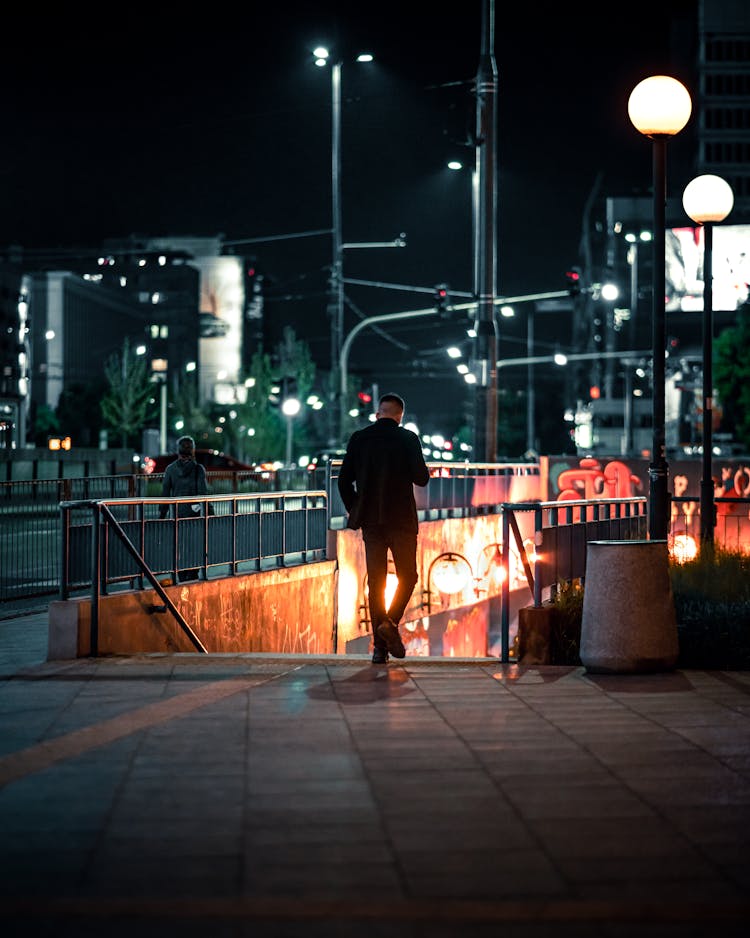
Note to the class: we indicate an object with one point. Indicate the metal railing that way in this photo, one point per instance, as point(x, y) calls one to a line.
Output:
point(556, 552)
point(125, 542)
point(30, 535)
point(731, 524)
point(231, 534)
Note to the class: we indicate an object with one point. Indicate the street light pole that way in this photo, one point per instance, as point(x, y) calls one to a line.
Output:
point(659, 107)
point(485, 267)
point(707, 199)
point(336, 301)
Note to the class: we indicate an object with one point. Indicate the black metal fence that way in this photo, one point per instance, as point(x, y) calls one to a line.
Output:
point(31, 550)
point(119, 542)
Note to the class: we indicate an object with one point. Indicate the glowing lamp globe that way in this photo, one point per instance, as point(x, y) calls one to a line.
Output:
point(659, 106)
point(707, 199)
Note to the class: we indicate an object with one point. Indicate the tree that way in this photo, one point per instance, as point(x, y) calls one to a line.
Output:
point(185, 406)
point(732, 376)
point(258, 431)
point(79, 413)
point(46, 424)
point(126, 405)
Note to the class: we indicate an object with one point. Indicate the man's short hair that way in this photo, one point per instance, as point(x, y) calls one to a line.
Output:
point(186, 446)
point(392, 399)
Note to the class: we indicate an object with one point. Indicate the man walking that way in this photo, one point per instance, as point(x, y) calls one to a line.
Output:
point(383, 463)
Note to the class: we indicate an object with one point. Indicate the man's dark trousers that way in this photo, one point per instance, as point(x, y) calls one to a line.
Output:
point(403, 545)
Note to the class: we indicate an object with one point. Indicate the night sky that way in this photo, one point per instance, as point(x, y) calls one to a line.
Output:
point(172, 123)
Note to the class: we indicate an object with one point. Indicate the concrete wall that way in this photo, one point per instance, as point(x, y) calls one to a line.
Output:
point(283, 611)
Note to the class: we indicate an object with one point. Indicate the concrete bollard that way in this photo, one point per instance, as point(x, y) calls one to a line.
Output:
point(629, 622)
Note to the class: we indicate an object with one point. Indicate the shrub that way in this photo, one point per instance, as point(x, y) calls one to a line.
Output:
point(712, 602)
point(565, 637)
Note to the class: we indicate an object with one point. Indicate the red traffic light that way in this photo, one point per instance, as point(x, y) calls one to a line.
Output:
point(365, 397)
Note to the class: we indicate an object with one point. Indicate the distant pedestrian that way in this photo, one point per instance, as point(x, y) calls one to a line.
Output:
point(184, 477)
point(383, 463)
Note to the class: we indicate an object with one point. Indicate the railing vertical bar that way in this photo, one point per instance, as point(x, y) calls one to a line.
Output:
point(96, 566)
point(505, 592)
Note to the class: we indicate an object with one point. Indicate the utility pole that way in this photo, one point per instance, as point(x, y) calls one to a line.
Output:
point(485, 262)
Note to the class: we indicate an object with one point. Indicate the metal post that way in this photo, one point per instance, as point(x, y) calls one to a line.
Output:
point(707, 485)
point(658, 471)
point(289, 431)
point(163, 415)
point(530, 397)
point(485, 222)
point(336, 298)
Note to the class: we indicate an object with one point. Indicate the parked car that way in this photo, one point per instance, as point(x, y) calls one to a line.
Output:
point(212, 459)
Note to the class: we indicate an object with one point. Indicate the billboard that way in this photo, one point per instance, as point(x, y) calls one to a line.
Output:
point(730, 262)
point(222, 296)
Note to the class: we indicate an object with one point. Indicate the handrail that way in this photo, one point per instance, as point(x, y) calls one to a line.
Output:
point(112, 521)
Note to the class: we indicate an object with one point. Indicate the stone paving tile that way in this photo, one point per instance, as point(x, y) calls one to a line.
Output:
point(288, 832)
point(390, 789)
point(609, 837)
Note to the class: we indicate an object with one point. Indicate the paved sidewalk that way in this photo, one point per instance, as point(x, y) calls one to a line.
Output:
point(258, 795)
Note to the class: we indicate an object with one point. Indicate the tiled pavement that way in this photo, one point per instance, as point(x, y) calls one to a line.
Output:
point(255, 795)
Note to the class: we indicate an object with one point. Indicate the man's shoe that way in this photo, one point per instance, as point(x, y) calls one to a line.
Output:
point(380, 656)
point(388, 632)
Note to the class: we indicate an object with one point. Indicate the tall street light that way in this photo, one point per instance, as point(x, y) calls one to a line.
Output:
point(485, 250)
point(336, 280)
point(707, 199)
point(659, 107)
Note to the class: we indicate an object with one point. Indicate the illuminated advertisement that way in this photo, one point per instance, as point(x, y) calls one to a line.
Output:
point(730, 262)
point(221, 302)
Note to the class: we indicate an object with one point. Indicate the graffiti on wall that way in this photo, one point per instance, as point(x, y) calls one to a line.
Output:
point(590, 478)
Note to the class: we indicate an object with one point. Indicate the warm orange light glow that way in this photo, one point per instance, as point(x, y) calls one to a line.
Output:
point(451, 574)
point(684, 548)
point(391, 582)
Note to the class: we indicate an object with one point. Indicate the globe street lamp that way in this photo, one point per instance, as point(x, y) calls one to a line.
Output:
point(707, 199)
point(659, 107)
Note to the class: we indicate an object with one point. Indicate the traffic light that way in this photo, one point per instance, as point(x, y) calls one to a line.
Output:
point(573, 280)
point(253, 290)
point(441, 300)
point(364, 402)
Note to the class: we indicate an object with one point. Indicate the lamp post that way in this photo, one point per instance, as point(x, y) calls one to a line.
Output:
point(659, 107)
point(336, 280)
point(707, 199)
point(485, 238)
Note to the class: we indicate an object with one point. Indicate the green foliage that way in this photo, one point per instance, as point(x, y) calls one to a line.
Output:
point(565, 638)
point(79, 414)
point(46, 424)
point(126, 405)
point(261, 414)
point(731, 374)
point(712, 602)
point(184, 406)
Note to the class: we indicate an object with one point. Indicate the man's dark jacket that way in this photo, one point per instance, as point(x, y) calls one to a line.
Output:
point(183, 477)
point(382, 464)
